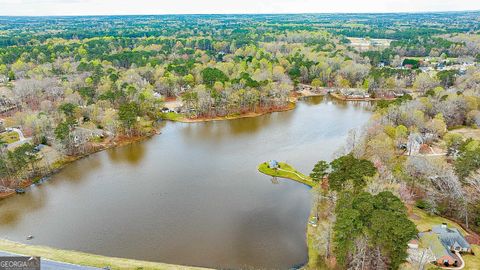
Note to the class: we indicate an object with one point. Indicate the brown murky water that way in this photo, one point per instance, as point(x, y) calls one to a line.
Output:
point(191, 195)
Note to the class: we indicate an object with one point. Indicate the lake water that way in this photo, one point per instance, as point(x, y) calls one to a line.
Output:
point(191, 195)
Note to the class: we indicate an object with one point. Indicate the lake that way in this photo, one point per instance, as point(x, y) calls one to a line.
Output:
point(191, 195)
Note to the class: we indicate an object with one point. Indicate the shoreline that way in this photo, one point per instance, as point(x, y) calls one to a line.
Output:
point(184, 119)
point(62, 163)
point(86, 259)
point(294, 98)
point(344, 98)
point(122, 140)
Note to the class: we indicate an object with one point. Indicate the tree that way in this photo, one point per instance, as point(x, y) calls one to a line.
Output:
point(316, 82)
point(11, 75)
point(350, 170)
point(21, 157)
point(380, 220)
point(68, 109)
point(468, 158)
point(128, 114)
point(319, 170)
point(447, 77)
point(62, 131)
point(424, 82)
point(212, 75)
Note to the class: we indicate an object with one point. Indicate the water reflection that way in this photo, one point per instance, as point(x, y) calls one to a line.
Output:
point(132, 154)
point(313, 100)
point(226, 130)
point(191, 195)
point(77, 171)
point(21, 205)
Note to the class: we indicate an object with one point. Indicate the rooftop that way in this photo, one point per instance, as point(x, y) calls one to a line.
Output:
point(431, 240)
point(442, 240)
point(450, 236)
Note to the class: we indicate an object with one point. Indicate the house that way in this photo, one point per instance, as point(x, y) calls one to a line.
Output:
point(273, 164)
point(445, 244)
point(83, 135)
point(414, 143)
point(441, 255)
point(6, 104)
point(452, 238)
point(302, 87)
point(166, 110)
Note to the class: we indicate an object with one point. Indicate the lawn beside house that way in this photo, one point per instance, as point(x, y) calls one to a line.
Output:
point(473, 262)
point(285, 170)
point(425, 222)
point(9, 137)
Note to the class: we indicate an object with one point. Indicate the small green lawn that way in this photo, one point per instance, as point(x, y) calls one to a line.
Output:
point(473, 261)
point(86, 259)
point(425, 221)
point(173, 116)
point(286, 171)
point(9, 137)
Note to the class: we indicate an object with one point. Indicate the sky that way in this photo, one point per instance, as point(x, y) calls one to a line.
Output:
point(125, 7)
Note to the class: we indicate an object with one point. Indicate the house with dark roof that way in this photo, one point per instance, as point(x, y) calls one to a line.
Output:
point(452, 238)
point(441, 255)
point(446, 244)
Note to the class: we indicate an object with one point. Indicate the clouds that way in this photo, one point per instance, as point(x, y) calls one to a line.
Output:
point(109, 7)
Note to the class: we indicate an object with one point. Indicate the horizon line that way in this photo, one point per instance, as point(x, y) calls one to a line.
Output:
point(258, 14)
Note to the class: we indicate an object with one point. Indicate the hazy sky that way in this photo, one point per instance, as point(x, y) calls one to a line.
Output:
point(105, 7)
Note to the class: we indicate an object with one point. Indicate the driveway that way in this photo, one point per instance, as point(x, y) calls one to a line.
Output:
point(21, 137)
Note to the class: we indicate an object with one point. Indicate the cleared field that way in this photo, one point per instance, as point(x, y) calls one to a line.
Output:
point(367, 43)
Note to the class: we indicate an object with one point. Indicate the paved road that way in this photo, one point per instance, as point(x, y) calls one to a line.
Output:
point(54, 265)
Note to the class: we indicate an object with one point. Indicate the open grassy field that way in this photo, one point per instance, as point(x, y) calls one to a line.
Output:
point(286, 171)
point(86, 259)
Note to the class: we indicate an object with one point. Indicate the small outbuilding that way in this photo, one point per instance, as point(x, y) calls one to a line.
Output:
point(413, 244)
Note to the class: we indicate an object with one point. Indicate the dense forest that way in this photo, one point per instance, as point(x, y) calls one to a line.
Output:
point(75, 85)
